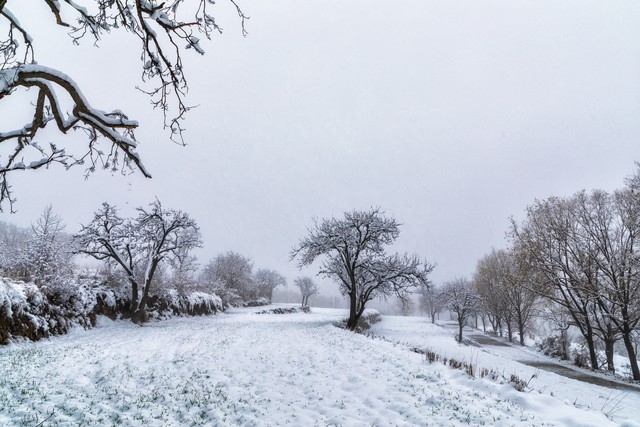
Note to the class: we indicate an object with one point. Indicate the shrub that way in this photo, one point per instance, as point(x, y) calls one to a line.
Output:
point(285, 310)
point(368, 318)
point(552, 346)
point(34, 313)
point(580, 355)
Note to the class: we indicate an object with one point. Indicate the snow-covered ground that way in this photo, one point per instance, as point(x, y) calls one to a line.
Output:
point(572, 402)
point(242, 368)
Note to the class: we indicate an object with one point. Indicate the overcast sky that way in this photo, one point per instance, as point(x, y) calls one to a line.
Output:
point(449, 115)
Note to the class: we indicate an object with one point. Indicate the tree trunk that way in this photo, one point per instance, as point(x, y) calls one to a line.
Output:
point(521, 330)
point(510, 331)
point(608, 350)
point(352, 323)
point(134, 297)
point(460, 326)
point(493, 323)
point(633, 361)
point(565, 344)
point(592, 347)
point(592, 352)
point(140, 316)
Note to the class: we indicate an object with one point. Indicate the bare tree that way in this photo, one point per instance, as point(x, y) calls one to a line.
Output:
point(230, 276)
point(162, 29)
point(552, 242)
point(488, 282)
point(13, 251)
point(461, 300)
point(183, 270)
point(612, 225)
point(266, 281)
point(353, 249)
point(522, 293)
point(49, 249)
point(560, 319)
point(432, 301)
point(506, 286)
point(308, 288)
point(138, 245)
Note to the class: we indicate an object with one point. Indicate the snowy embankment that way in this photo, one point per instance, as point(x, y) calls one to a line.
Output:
point(252, 369)
point(29, 311)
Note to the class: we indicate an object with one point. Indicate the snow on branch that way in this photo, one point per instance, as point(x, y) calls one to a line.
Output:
point(164, 30)
point(51, 85)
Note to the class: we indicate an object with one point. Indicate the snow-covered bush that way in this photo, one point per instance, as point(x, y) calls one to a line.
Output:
point(553, 346)
point(13, 244)
point(33, 312)
point(230, 275)
point(258, 302)
point(173, 303)
point(285, 310)
point(580, 355)
point(369, 317)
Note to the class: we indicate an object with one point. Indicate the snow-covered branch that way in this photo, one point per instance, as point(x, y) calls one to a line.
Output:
point(53, 86)
point(164, 28)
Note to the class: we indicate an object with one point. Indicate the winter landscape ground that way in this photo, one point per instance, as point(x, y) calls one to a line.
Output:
point(249, 369)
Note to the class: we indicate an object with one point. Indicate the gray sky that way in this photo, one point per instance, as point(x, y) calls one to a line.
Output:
point(450, 115)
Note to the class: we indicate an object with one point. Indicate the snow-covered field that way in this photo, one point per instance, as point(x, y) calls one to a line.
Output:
point(242, 368)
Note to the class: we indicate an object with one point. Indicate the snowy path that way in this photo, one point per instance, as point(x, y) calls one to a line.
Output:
point(548, 364)
point(554, 366)
point(254, 370)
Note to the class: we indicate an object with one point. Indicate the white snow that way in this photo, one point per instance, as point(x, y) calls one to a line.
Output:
point(8, 78)
point(242, 368)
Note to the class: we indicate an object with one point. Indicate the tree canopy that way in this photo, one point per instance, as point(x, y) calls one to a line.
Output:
point(354, 254)
point(139, 245)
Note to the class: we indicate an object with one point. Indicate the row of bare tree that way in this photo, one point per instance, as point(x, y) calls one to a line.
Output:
point(148, 251)
point(573, 261)
point(494, 296)
point(583, 252)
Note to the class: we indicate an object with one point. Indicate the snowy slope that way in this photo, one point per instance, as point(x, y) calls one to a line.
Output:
point(252, 369)
point(573, 402)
